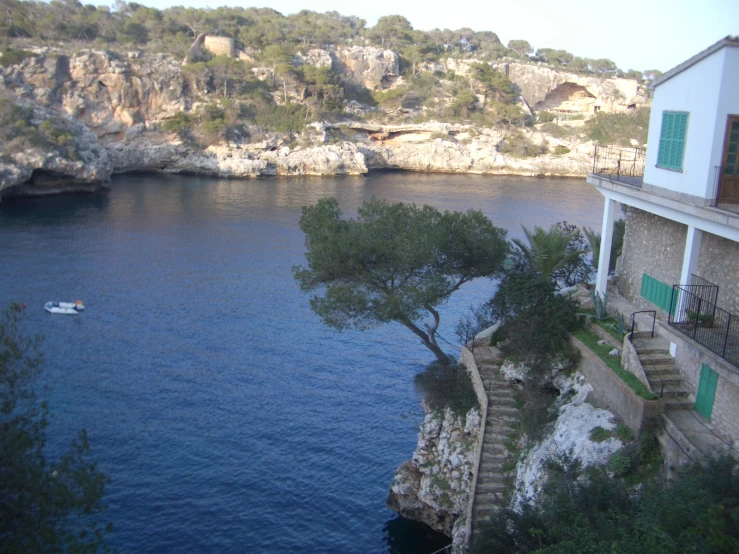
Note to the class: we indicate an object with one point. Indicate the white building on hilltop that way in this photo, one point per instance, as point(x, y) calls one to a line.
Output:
point(681, 244)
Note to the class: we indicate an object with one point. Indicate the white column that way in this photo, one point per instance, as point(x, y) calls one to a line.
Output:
point(691, 255)
point(606, 238)
point(690, 266)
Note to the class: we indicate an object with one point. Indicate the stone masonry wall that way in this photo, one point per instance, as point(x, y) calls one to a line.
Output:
point(652, 245)
point(719, 263)
point(689, 358)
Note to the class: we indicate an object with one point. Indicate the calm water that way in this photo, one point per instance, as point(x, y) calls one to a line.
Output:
point(229, 418)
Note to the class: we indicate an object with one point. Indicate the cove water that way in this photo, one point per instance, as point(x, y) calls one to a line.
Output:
point(227, 416)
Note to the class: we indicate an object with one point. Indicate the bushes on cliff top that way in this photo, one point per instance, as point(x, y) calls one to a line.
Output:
point(18, 132)
point(618, 128)
point(588, 510)
point(447, 385)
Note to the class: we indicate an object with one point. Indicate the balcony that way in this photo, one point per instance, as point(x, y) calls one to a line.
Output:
point(620, 165)
point(726, 188)
point(693, 312)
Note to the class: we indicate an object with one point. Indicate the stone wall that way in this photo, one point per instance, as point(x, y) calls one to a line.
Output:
point(220, 46)
point(688, 358)
point(719, 263)
point(652, 245)
point(462, 536)
point(613, 394)
point(656, 245)
point(630, 362)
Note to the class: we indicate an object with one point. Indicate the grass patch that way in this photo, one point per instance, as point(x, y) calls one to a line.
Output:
point(599, 434)
point(607, 325)
point(590, 340)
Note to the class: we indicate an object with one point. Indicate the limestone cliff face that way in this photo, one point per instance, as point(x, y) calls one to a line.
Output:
point(546, 89)
point(434, 486)
point(46, 168)
point(373, 67)
point(106, 93)
point(117, 102)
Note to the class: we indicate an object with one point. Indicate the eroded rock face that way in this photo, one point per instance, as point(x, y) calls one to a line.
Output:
point(235, 161)
point(549, 90)
point(434, 486)
point(106, 93)
point(83, 164)
point(373, 67)
point(569, 436)
point(314, 57)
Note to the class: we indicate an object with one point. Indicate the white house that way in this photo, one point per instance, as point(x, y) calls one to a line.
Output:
point(681, 245)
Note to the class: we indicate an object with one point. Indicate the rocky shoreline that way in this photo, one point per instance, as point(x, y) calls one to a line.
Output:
point(95, 113)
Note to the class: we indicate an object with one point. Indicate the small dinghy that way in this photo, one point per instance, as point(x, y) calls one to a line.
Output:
point(67, 308)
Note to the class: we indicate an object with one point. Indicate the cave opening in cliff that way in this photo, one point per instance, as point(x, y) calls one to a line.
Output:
point(569, 98)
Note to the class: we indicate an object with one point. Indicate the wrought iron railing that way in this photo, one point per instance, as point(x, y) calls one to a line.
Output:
point(726, 188)
point(624, 165)
point(703, 288)
point(704, 322)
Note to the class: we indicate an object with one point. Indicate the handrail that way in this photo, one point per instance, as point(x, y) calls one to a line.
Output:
point(633, 319)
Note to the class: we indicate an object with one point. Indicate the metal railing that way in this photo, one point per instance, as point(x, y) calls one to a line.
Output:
point(633, 320)
point(705, 323)
point(726, 188)
point(624, 165)
point(703, 288)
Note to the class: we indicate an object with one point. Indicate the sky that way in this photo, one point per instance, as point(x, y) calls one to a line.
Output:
point(636, 34)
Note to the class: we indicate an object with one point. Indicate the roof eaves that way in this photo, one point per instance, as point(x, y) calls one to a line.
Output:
point(726, 41)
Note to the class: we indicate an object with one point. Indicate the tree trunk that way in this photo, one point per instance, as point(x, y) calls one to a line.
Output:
point(428, 340)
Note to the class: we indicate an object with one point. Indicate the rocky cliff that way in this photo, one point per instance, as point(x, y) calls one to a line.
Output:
point(116, 104)
point(434, 486)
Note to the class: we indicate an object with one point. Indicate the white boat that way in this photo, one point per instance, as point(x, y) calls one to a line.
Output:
point(67, 308)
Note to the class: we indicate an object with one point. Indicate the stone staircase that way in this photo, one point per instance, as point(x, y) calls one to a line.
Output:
point(659, 367)
point(502, 416)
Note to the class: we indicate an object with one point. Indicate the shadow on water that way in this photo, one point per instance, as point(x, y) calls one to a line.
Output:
point(404, 536)
point(53, 209)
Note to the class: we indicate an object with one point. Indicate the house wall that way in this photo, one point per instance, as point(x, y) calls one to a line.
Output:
point(689, 358)
point(696, 91)
point(652, 245)
point(655, 245)
point(728, 104)
point(719, 263)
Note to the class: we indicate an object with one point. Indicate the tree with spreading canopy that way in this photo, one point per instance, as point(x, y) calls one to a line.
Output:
point(394, 262)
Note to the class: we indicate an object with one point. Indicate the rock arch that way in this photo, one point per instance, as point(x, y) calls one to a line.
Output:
point(568, 98)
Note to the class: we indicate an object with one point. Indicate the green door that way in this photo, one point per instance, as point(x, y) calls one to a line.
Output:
point(706, 391)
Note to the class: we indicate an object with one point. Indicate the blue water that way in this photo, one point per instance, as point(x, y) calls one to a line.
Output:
point(227, 416)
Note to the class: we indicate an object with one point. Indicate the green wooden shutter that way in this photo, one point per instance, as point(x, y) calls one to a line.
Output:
point(658, 293)
point(706, 391)
point(672, 140)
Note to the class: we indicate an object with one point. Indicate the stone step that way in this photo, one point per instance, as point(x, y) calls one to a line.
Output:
point(494, 447)
point(653, 372)
point(677, 404)
point(489, 489)
point(644, 350)
point(490, 479)
point(671, 393)
point(656, 360)
point(499, 409)
point(489, 500)
point(667, 379)
point(488, 458)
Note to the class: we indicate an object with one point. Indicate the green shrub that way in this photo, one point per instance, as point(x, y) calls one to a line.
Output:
point(618, 128)
point(545, 117)
point(560, 150)
point(179, 124)
point(447, 385)
point(520, 146)
point(599, 434)
point(13, 57)
point(558, 131)
point(619, 463)
point(591, 340)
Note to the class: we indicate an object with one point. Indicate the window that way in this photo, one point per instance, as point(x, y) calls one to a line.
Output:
point(672, 140)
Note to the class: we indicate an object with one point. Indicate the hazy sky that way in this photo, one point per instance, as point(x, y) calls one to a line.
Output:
point(636, 34)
